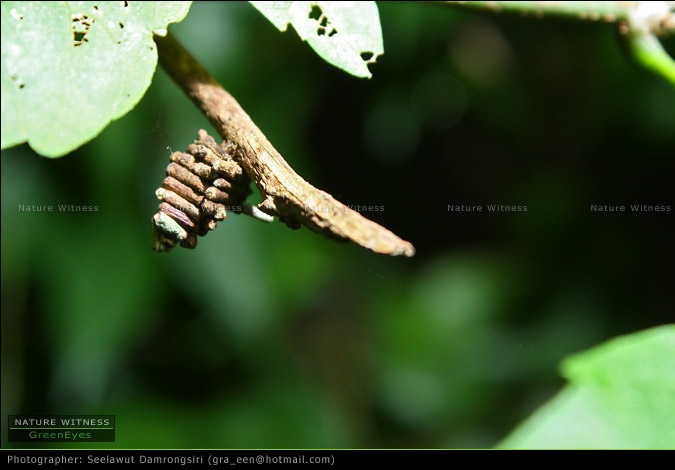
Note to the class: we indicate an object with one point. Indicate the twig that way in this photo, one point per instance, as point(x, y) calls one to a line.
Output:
point(285, 194)
point(656, 16)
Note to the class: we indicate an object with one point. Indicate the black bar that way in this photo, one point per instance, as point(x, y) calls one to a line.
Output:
point(414, 458)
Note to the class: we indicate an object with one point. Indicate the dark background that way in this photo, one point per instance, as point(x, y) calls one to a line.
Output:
point(264, 337)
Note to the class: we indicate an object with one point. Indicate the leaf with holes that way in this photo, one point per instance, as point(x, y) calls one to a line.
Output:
point(69, 68)
point(345, 34)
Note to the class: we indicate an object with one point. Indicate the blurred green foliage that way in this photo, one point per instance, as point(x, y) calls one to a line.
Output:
point(263, 337)
point(621, 396)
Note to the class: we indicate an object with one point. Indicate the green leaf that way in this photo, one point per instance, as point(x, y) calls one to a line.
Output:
point(621, 395)
point(345, 34)
point(69, 68)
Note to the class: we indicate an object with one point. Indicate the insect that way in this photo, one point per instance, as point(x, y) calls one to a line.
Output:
point(199, 188)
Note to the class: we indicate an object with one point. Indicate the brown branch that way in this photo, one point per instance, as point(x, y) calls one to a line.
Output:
point(285, 194)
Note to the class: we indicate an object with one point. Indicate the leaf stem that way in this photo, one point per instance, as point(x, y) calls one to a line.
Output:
point(640, 21)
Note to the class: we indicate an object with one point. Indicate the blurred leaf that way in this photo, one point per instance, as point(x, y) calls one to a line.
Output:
point(621, 395)
point(69, 68)
point(345, 34)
